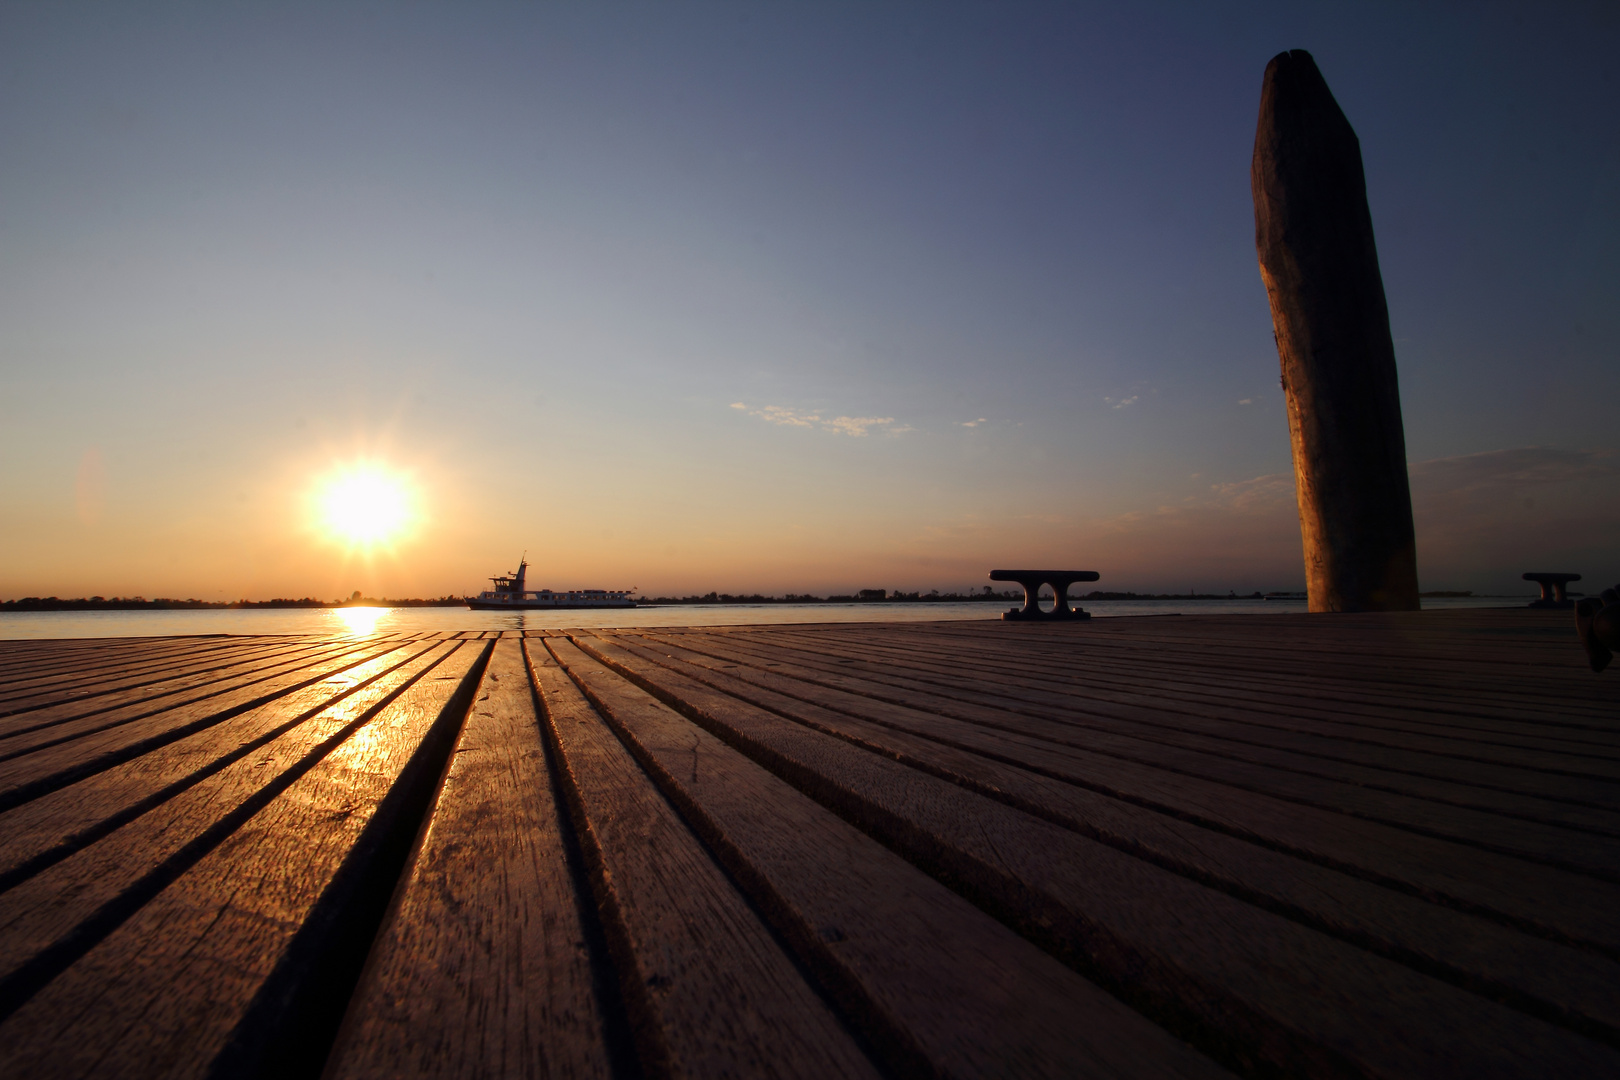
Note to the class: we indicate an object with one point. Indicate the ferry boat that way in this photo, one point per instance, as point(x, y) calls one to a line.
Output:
point(510, 592)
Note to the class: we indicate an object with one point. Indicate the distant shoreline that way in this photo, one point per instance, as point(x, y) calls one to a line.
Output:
point(138, 603)
point(1016, 596)
point(867, 596)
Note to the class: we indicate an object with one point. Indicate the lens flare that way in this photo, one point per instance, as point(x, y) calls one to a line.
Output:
point(366, 506)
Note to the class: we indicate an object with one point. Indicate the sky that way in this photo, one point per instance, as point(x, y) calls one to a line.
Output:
point(772, 297)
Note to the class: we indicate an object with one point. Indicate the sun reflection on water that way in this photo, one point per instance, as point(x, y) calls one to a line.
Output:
point(359, 621)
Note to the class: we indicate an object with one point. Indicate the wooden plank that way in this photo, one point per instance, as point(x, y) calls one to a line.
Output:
point(1521, 780)
point(1484, 683)
point(708, 990)
point(1177, 693)
point(42, 912)
point(1081, 701)
point(20, 657)
point(88, 681)
point(256, 929)
point(1137, 735)
point(47, 829)
point(937, 985)
point(24, 728)
point(113, 739)
point(1404, 663)
point(1554, 903)
point(1313, 708)
point(85, 686)
point(1584, 802)
point(1577, 851)
point(1481, 680)
point(482, 969)
point(1254, 684)
point(55, 655)
point(1256, 986)
point(1551, 980)
point(1068, 675)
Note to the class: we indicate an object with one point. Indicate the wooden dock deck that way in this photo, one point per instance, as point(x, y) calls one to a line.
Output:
point(1374, 845)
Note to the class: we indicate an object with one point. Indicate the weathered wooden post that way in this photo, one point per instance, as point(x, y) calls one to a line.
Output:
point(1314, 234)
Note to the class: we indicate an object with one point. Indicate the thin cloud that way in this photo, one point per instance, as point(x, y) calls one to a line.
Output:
point(853, 426)
point(1120, 404)
point(1261, 494)
point(974, 423)
point(1246, 401)
point(1526, 508)
point(776, 414)
point(1591, 472)
point(1246, 530)
point(1481, 520)
point(857, 426)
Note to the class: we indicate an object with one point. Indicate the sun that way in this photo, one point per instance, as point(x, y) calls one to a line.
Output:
point(365, 505)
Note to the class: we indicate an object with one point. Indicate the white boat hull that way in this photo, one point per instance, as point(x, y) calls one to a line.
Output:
point(531, 605)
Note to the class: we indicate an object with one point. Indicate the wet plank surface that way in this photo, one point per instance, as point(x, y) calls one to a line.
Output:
point(1192, 846)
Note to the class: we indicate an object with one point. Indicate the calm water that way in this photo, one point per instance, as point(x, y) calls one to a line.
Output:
point(359, 621)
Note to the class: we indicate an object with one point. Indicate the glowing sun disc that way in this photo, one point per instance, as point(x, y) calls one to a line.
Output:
point(365, 505)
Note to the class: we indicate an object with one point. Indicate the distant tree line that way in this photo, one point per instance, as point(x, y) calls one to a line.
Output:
point(986, 594)
point(897, 596)
point(863, 596)
point(141, 603)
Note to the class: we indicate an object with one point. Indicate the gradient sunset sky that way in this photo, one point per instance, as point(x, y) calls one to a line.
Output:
point(776, 297)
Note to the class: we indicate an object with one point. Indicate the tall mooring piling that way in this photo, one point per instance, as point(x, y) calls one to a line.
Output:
point(1314, 236)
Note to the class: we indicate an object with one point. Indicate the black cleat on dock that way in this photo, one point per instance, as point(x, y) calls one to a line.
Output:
point(1032, 580)
point(1552, 589)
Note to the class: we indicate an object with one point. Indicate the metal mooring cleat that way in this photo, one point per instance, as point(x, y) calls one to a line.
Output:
point(1032, 580)
point(1552, 589)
